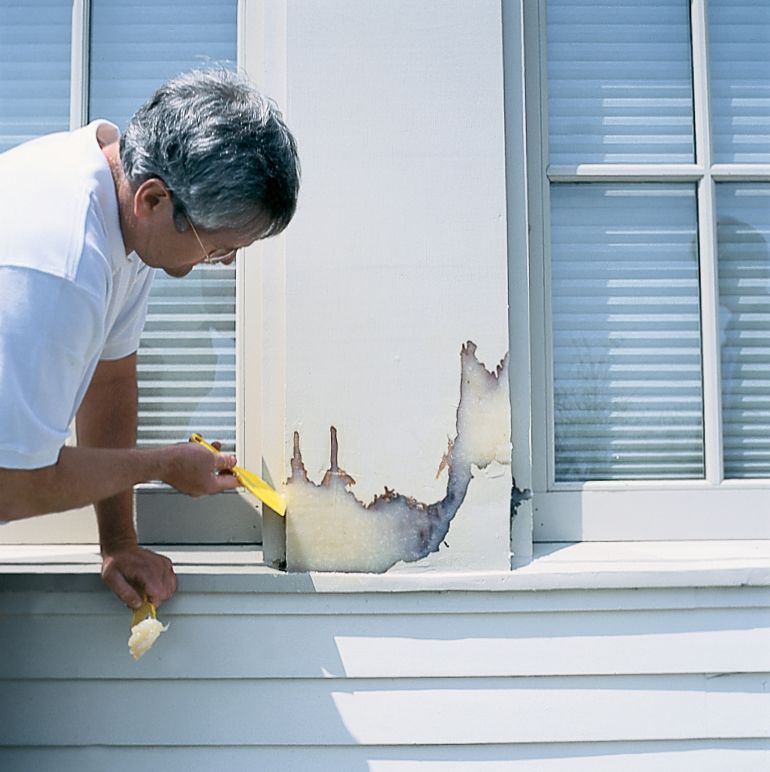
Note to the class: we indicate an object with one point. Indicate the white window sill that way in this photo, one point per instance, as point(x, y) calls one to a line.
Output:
point(597, 565)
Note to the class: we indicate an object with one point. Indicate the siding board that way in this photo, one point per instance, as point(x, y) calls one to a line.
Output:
point(393, 645)
point(385, 712)
point(684, 756)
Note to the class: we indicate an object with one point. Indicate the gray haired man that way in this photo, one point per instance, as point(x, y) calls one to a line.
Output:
point(205, 167)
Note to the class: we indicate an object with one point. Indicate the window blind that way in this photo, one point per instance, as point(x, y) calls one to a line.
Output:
point(35, 57)
point(619, 82)
point(743, 245)
point(186, 362)
point(625, 332)
point(739, 48)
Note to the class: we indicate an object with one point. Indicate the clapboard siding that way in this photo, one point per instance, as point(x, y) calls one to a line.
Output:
point(431, 711)
point(682, 756)
point(393, 646)
point(573, 681)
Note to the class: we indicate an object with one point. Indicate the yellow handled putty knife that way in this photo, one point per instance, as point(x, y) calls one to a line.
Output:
point(253, 484)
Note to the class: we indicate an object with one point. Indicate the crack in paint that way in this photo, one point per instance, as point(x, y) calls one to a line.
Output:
point(329, 529)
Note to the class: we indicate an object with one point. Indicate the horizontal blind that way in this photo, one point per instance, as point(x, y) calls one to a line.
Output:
point(626, 332)
point(739, 48)
point(743, 245)
point(186, 361)
point(619, 82)
point(35, 58)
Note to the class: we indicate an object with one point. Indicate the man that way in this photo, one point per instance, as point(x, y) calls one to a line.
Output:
point(205, 167)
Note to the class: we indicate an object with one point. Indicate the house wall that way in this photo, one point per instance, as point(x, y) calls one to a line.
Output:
point(397, 257)
point(260, 672)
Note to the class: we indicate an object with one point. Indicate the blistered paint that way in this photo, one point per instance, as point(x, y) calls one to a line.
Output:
point(329, 529)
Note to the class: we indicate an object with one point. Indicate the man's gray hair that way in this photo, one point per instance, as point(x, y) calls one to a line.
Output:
point(222, 149)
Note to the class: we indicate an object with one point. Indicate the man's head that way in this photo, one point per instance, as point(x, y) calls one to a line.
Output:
point(221, 152)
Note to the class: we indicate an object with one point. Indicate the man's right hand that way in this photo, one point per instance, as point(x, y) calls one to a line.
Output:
point(196, 471)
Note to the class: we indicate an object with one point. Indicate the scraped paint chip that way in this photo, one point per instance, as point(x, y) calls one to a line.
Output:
point(329, 529)
point(143, 636)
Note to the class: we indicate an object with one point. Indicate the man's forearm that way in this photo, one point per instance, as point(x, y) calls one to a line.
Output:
point(108, 419)
point(80, 477)
point(103, 469)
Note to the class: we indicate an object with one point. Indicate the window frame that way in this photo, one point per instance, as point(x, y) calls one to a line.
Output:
point(712, 508)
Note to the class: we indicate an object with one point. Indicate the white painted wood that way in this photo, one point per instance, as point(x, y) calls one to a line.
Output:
point(608, 513)
point(397, 255)
point(80, 57)
point(700, 572)
point(626, 172)
point(520, 373)
point(682, 756)
point(386, 711)
point(707, 251)
point(77, 526)
point(357, 645)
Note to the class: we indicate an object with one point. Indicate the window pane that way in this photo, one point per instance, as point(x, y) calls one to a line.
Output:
point(739, 47)
point(743, 230)
point(137, 44)
point(619, 82)
point(187, 355)
point(626, 332)
point(186, 363)
point(35, 45)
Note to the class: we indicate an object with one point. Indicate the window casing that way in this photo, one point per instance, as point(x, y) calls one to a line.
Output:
point(644, 383)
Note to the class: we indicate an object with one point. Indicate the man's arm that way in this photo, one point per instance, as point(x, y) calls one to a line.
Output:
point(100, 470)
point(107, 419)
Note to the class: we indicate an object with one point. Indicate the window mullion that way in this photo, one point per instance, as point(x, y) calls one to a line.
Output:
point(709, 289)
point(536, 96)
point(81, 14)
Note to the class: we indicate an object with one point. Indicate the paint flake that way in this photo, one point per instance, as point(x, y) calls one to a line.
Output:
point(329, 529)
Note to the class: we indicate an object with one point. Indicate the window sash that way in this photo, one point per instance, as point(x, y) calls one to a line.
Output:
point(656, 509)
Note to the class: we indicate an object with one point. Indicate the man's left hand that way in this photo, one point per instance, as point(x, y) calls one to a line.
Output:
point(128, 571)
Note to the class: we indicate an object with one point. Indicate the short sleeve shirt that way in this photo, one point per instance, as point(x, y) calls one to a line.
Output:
point(69, 294)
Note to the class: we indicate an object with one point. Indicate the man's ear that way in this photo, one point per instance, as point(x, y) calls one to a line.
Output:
point(151, 198)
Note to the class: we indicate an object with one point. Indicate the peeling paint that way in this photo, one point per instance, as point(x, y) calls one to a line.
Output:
point(329, 529)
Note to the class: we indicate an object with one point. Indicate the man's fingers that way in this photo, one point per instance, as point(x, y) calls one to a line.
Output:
point(224, 461)
point(159, 591)
point(125, 592)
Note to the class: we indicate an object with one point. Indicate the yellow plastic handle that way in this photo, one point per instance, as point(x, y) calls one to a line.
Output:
point(197, 438)
point(254, 484)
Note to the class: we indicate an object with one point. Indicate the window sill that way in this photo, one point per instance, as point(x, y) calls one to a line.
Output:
point(557, 566)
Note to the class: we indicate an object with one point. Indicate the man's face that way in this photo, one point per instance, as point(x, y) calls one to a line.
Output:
point(182, 256)
point(160, 244)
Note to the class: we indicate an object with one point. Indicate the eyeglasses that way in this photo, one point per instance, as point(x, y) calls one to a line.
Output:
point(216, 255)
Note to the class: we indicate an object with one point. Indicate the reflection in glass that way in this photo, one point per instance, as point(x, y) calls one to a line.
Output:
point(743, 229)
point(627, 383)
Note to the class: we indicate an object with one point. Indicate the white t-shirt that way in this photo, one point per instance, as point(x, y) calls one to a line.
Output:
point(69, 294)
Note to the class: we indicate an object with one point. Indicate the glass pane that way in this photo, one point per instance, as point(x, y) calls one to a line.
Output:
point(739, 49)
point(187, 356)
point(619, 82)
point(626, 332)
point(743, 230)
point(35, 46)
point(137, 44)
